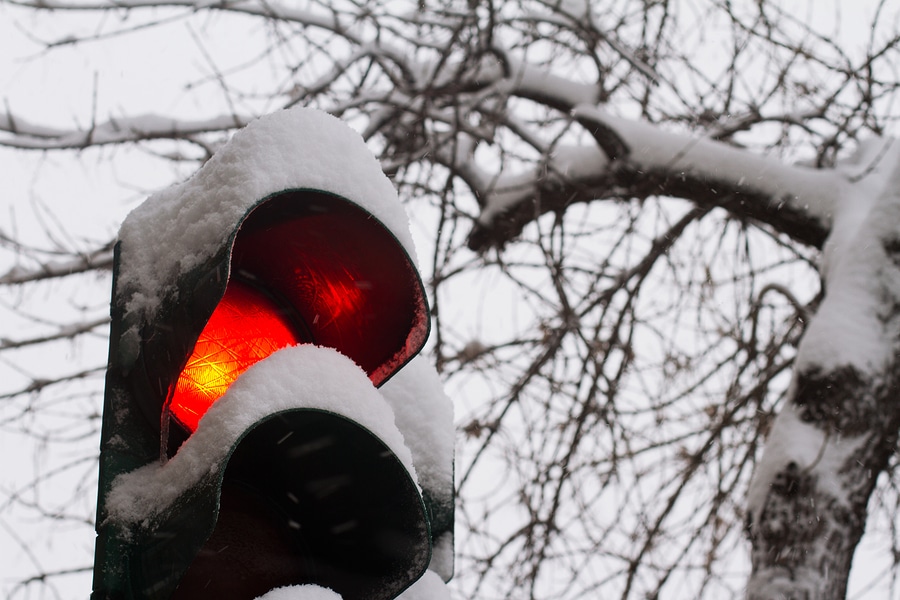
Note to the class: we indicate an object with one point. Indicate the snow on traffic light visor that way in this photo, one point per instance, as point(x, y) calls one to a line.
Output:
point(305, 267)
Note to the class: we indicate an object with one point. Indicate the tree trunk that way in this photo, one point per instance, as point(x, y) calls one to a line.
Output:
point(808, 501)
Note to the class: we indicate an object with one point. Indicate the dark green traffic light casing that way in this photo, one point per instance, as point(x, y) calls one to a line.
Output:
point(331, 256)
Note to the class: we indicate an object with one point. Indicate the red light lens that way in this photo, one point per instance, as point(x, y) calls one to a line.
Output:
point(348, 279)
point(246, 327)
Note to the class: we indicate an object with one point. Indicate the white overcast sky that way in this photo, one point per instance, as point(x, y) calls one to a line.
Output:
point(89, 194)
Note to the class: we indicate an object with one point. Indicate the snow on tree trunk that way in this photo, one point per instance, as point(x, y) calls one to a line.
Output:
point(808, 499)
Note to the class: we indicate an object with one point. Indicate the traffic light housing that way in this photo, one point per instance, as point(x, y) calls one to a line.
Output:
point(289, 235)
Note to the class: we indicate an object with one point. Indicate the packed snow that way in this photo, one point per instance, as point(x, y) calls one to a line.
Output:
point(429, 587)
point(300, 592)
point(303, 376)
point(848, 328)
point(424, 414)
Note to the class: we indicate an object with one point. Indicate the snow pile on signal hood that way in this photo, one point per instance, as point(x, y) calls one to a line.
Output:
point(300, 592)
point(424, 413)
point(429, 587)
point(180, 227)
point(298, 377)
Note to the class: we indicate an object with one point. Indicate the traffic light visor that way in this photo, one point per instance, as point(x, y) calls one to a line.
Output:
point(305, 267)
point(307, 496)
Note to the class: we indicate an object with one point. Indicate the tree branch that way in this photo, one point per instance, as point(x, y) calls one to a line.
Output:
point(29, 136)
point(642, 160)
point(101, 259)
point(64, 332)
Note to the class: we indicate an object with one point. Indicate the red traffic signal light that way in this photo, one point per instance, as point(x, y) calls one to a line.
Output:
point(246, 327)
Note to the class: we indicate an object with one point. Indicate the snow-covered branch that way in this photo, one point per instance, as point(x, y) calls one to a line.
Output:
point(64, 332)
point(18, 133)
point(276, 10)
point(630, 159)
point(808, 500)
point(101, 259)
point(38, 385)
point(638, 159)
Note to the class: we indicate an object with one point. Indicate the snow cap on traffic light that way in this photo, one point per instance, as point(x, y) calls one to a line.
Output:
point(183, 226)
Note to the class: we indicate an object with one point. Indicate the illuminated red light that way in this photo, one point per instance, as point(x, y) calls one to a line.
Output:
point(245, 328)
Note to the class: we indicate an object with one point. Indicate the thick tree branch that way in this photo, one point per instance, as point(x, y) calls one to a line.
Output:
point(808, 501)
point(642, 160)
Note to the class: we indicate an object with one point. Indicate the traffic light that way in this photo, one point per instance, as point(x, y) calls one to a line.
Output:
point(245, 446)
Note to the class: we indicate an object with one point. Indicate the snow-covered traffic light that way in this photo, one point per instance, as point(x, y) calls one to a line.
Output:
point(257, 309)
